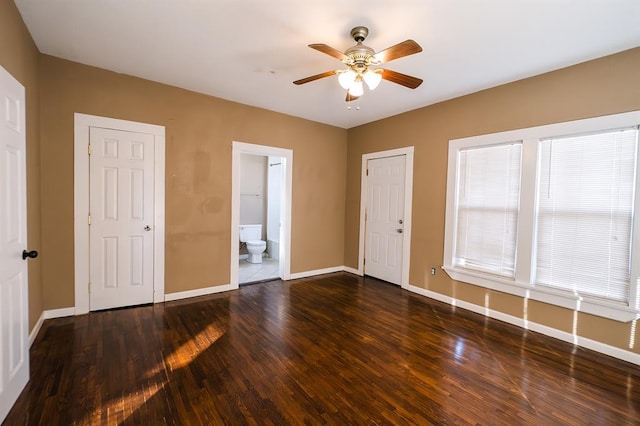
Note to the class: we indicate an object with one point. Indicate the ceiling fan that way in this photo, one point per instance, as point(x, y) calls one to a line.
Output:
point(359, 60)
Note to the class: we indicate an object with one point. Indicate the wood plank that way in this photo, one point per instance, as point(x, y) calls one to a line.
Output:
point(336, 349)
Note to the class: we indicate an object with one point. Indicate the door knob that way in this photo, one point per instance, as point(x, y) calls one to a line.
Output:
point(32, 254)
point(399, 230)
point(147, 228)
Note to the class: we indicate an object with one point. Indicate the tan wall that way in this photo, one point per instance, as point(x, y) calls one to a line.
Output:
point(199, 134)
point(19, 56)
point(604, 86)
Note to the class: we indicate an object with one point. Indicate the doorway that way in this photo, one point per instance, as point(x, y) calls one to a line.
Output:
point(385, 215)
point(144, 140)
point(251, 202)
point(261, 186)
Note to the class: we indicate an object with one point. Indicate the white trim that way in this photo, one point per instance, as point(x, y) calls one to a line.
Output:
point(408, 202)
point(352, 270)
point(59, 313)
point(239, 148)
point(36, 329)
point(197, 292)
point(528, 325)
point(228, 287)
point(558, 297)
point(82, 123)
point(49, 314)
point(313, 273)
point(523, 283)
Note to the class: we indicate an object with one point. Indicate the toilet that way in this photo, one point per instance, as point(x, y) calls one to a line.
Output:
point(250, 235)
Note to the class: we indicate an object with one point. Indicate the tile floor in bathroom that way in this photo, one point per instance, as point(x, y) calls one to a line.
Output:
point(250, 272)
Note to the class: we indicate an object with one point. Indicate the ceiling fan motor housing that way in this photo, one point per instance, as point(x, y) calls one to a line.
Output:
point(359, 57)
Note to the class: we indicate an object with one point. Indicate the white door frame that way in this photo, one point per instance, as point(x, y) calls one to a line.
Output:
point(82, 123)
point(408, 199)
point(287, 157)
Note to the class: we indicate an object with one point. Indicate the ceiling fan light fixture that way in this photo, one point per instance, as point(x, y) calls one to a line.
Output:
point(372, 78)
point(347, 78)
point(356, 88)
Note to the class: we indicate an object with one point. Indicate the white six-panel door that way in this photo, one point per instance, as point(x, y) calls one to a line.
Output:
point(14, 355)
point(384, 218)
point(121, 191)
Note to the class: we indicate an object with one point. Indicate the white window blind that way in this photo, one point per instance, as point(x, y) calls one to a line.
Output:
point(585, 211)
point(488, 196)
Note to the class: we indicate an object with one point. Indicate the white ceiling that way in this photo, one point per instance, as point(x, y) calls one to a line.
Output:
point(250, 51)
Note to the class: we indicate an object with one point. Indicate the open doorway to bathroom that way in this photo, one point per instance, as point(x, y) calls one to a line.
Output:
point(260, 195)
point(261, 213)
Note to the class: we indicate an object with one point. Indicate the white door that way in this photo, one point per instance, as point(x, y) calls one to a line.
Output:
point(121, 170)
point(384, 218)
point(14, 349)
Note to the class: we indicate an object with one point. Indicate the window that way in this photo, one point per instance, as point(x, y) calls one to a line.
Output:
point(487, 214)
point(551, 216)
point(585, 208)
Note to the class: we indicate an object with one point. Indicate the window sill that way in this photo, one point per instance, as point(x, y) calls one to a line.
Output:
point(615, 311)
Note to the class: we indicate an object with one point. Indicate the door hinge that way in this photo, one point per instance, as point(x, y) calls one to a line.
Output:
point(367, 172)
point(89, 219)
point(89, 287)
point(89, 149)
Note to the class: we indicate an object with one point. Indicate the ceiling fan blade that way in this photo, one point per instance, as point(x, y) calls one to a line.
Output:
point(350, 97)
point(314, 77)
point(401, 79)
point(406, 48)
point(321, 47)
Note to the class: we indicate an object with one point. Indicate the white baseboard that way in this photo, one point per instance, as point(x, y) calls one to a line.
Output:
point(307, 274)
point(520, 322)
point(353, 271)
point(36, 329)
point(315, 272)
point(59, 313)
point(539, 328)
point(52, 313)
point(227, 287)
point(197, 292)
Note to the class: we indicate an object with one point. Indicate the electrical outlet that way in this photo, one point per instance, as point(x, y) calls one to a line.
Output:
point(433, 271)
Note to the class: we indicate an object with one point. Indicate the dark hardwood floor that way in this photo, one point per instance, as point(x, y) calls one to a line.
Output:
point(336, 349)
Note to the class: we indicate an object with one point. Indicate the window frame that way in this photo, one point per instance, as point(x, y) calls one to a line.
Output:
point(523, 284)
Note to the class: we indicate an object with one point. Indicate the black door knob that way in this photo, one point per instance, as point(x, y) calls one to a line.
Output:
point(32, 254)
